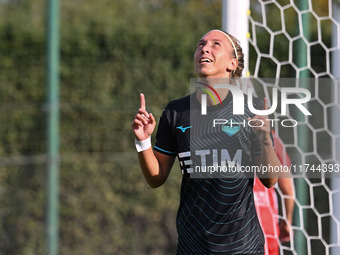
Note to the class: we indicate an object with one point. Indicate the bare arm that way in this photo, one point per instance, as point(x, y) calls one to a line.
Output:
point(155, 166)
point(268, 156)
point(286, 187)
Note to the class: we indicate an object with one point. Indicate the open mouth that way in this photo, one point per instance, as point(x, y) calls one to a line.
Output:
point(205, 60)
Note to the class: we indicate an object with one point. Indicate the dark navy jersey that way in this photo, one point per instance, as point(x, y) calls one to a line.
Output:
point(216, 214)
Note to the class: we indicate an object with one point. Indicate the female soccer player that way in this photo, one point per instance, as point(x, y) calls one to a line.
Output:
point(216, 215)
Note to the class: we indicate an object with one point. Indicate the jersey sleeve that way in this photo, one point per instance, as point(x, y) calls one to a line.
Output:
point(165, 142)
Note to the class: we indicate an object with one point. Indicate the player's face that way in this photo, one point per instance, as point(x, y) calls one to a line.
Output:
point(213, 55)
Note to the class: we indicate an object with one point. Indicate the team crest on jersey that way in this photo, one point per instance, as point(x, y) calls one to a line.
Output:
point(230, 129)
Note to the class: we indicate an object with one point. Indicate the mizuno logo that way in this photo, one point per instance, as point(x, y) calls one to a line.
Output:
point(183, 128)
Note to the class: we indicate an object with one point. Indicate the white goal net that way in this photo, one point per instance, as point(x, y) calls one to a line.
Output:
point(300, 40)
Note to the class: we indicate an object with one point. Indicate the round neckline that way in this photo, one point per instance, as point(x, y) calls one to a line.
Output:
point(215, 107)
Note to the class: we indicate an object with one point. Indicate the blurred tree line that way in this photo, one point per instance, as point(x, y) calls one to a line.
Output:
point(110, 52)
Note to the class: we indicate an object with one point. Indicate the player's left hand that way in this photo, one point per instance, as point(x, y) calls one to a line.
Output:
point(261, 125)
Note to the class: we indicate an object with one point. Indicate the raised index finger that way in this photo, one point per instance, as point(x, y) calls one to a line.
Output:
point(142, 101)
point(265, 107)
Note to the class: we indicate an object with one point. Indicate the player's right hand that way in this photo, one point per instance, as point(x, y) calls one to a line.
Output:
point(284, 231)
point(144, 123)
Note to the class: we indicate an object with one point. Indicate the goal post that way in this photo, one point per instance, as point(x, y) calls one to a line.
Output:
point(335, 184)
point(235, 22)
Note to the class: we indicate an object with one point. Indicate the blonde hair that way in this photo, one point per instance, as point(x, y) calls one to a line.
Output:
point(237, 53)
